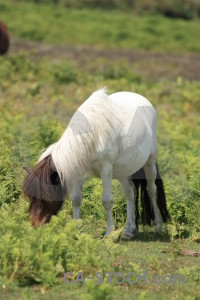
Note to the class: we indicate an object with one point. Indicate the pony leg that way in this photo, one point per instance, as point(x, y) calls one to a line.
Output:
point(151, 173)
point(76, 200)
point(128, 190)
point(107, 200)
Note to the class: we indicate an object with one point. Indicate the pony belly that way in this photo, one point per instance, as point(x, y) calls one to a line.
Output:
point(133, 153)
point(128, 165)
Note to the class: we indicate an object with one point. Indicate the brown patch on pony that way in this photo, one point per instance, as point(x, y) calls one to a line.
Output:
point(43, 188)
point(4, 39)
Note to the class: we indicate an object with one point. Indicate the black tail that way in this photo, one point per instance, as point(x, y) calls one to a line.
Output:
point(140, 182)
point(161, 199)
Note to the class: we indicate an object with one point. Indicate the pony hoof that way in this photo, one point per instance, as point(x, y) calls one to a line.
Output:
point(109, 230)
point(159, 230)
point(126, 237)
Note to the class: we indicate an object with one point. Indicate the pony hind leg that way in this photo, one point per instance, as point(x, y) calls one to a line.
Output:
point(131, 225)
point(151, 174)
point(156, 193)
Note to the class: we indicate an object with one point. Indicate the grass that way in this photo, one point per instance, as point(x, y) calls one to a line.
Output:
point(100, 28)
point(38, 96)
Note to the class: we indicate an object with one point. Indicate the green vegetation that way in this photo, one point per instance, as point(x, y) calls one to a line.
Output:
point(38, 95)
point(185, 9)
point(100, 28)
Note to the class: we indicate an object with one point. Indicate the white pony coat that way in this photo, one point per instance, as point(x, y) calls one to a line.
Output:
point(118, 128)
point(109, 136)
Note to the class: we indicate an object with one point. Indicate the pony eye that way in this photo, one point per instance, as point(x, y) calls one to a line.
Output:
point(55, 178)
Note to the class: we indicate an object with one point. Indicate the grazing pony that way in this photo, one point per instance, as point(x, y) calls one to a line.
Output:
point(109, 136)
point(4, 39)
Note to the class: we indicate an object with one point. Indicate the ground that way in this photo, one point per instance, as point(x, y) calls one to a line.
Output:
point(158, 66)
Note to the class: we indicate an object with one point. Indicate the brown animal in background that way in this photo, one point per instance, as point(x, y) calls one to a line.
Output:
point(4, 39)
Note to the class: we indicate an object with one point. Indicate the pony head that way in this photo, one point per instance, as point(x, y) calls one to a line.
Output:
point(43, 187)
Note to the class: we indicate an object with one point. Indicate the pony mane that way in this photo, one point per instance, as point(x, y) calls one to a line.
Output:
point(88, 132)
point(44, 190)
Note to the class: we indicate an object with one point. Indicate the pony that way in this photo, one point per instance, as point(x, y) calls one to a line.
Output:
point(4, 39)
point(110, 136)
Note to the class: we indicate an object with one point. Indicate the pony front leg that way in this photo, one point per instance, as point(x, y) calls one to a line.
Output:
point(128, 190)
point(107, 200)
point(76, 200)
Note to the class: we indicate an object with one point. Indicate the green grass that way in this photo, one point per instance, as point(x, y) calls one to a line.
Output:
point(100, 28)
point(38, 96)
point(36, 105)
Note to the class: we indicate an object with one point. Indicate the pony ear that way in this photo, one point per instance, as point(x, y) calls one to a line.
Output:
point(27, 169)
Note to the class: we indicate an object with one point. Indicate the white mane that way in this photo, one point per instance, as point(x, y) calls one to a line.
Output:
point(87, 133)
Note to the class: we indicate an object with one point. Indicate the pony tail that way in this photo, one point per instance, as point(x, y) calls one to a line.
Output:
point(161, 199)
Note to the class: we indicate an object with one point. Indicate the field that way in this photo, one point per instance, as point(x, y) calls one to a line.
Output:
point(58, 57)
